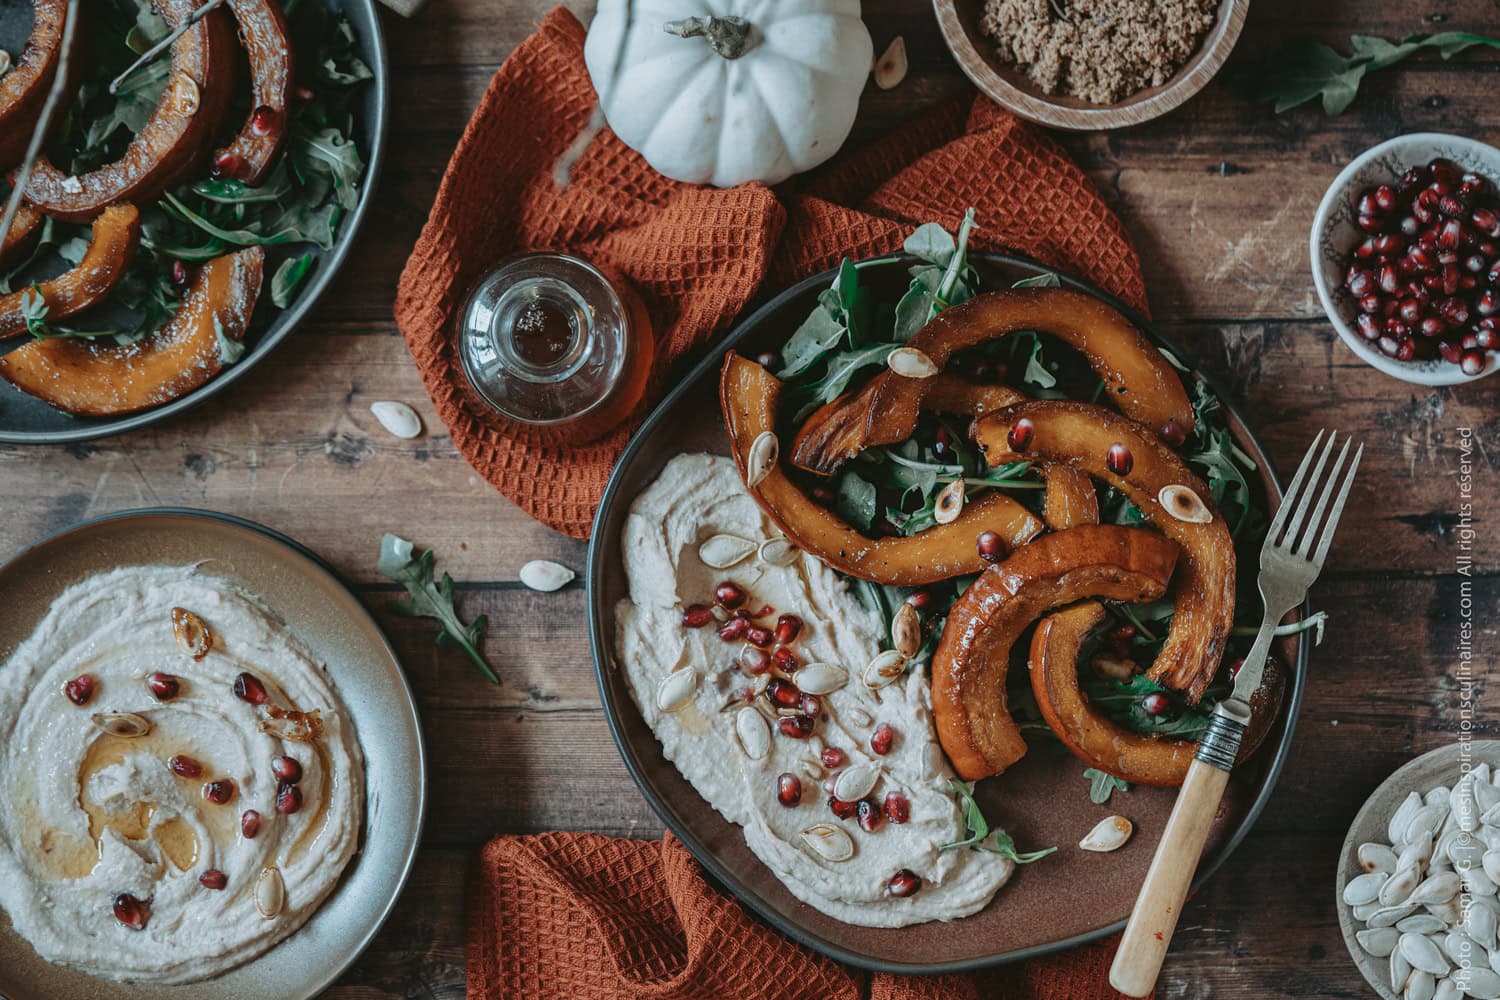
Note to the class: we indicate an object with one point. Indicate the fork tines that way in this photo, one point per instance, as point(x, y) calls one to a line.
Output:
point(1297, 538)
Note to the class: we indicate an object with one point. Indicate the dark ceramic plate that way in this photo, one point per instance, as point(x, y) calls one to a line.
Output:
point(1070, 897)
point(363, 667)
point(26, 420)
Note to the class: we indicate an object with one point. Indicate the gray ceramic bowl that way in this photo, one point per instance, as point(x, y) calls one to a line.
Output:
point(1334, 234)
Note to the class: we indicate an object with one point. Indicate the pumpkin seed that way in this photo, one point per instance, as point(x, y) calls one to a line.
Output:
point(182, 96)
point(1486, 796)
point(909, 362)
point(778, 552)
point(546, 576)
point(1378, 941)
point(854, 783)
point(125, 725)
point(1400, 970)
point(884, 669)
point(829, 842)
point(821, 678)
point(1459, 947)
point(1398, 887)
point(1388, 916)
point(1478, 882)
point(193, 636)
point(1420, 923)
point(1481, 772)
point(754, 735)
point(1109, 834)
point(949, 503)
point(1491, 816)
point(765, 450)
point(1436, 889)
point(1365, 888)
point(1426, 820)
point(1396, 826)
point(1461, 803)
point(890, 68)
point(1418, 852)
point(397, 418)
point(1184, 504)
point(1437, 796)
point(1481, 984)
point(723, 551)
point(1364, 911)
point(1490, 864)
point(906, 631)
point(1377, 858)
point(1450, 912)
point(676, 689)
point(1446, 990)
point(1420, 986)
point(1480, 924)
point(1423, 954)
point(270, 893)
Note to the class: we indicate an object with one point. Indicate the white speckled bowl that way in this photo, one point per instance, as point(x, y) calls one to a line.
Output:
point(1334, 232)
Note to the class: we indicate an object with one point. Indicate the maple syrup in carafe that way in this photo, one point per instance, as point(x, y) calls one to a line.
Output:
point(555, 346)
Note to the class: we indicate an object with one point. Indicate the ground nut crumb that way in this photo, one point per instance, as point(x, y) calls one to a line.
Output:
point(1100, 50)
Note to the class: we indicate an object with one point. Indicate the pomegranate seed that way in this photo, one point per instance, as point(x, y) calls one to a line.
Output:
point(1407, 350)
point(250, 824)
point(1450, 351)
point(1388, 244)
point(287, 769)
point(181, 273)
point(920, 600)
point(1172, 433)
point(824, 495)
point(1486, 221)
point(1409, 225)
point(882, 738)
point(840, 808)
point(940, 444)
point(1452, 206)
point(184, 766)
point(1472, 362)
point(1486, 338)
point(783, 693)
point(263, 120)
point(1234, 668)
point(1454, 312)
point(1367, 204)
point(303, 92)
point(1488, 304)
point(1474, 263)
point(219, 792)
point(226, 164)
point(833, 758)
point(869, 815)
point(755, 661)
point(1369, 326)
point(811, 706)
point(786, 661)
point(904, 883)
point(1469, 342)
point(1385, 198)
point(788, 627)
point(80, 690)
point(757, 635)
point(1421, 259)
point(247, 687)
point(288, 799)
point(1372, 304)
point(131, 912)
point(1411, 311)
point(1119, 460)
point(769, 360)
point(1387, 279)
point(696, 615)
point(990, 545)
point(788, 789)
point(765, 610)
point(729, 595)
point(214, 879)
point(734, 629)
point(897, 808)
point(1450, 235)
point(1155, 703)
point(1020, 434)
point(1360, 283)
point(1413, 179)
point(164, 686)
point(1370, 223)
point(798, 727)
point(1431, 326)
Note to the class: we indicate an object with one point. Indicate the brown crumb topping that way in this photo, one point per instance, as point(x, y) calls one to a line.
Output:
point(1099, 50)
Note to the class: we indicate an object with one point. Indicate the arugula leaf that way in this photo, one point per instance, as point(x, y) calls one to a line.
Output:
point(429, 599)
point(327, 153)
point(34, 311)
point(855, 501)
point(1103, 784)
point(979, 830)
point(932, 243)
point(817, 335)
point(288, 276)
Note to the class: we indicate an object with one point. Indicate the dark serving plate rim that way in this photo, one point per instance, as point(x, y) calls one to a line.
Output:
point(602, 548)
point(330, 262)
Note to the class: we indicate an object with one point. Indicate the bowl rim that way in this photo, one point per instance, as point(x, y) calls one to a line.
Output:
point(1205, 62)
point(603, 546)
point(1406, 371)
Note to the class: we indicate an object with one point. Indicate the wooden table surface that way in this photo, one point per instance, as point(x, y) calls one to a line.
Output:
point(1218, 197)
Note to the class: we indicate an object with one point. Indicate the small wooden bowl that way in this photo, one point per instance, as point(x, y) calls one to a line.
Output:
point(1012, 89)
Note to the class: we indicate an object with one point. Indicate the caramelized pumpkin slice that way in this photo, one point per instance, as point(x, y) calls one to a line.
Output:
point(749, 396)
point(1082, 436)
point(1099, 741)
point(24, 89)
point(973, 657)
point(1139, 378)
point(23, 229)
point(117, 233)
point(263, 35)
point(172, 143)
point(96, 379)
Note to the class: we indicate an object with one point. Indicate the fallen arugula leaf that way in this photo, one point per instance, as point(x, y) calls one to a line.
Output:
point(1294, 74)
point(287, 277)
point(1103, 784)
point(429, 599)
point(979, 830)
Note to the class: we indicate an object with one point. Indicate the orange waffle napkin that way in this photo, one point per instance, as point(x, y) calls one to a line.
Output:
point(588, 917)
point(698, 255)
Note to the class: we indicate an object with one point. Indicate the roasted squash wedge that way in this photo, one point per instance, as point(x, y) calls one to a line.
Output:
point(173, 141)
point(972, 659)
point(26, 226)
point(252, 153)
point(24, 89)
point(1096, 739)
point(99, 380)
point(117, 233)
point(885, 410)
point(1081, 435)
point(749, 396)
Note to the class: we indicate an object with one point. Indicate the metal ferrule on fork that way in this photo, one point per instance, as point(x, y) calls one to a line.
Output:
point(1220, 743)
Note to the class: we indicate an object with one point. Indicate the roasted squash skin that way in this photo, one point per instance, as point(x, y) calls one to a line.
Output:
point(1080, 435)
point(972, 659)
point(107, 379)
point(1100, 742)
point(173, 142)
point(250, 156)
point(23, 230)
point(749, 397)
point(24, 89)
point(1137, 376)
point(112, 246)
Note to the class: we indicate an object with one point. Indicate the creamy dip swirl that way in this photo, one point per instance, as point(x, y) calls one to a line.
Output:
point(86, 816)
point(696, 497)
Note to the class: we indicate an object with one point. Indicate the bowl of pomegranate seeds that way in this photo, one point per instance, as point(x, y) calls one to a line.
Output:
point(1406, 257)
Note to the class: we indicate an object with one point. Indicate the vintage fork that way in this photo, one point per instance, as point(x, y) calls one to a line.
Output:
point(1290, 561)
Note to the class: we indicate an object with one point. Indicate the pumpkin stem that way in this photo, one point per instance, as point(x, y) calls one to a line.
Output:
point(729, 36)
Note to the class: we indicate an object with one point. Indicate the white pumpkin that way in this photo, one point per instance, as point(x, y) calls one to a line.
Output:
point(726, 91)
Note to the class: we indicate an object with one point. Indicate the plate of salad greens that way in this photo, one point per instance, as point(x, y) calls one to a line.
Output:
point(223, 230)
point(824, 339)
